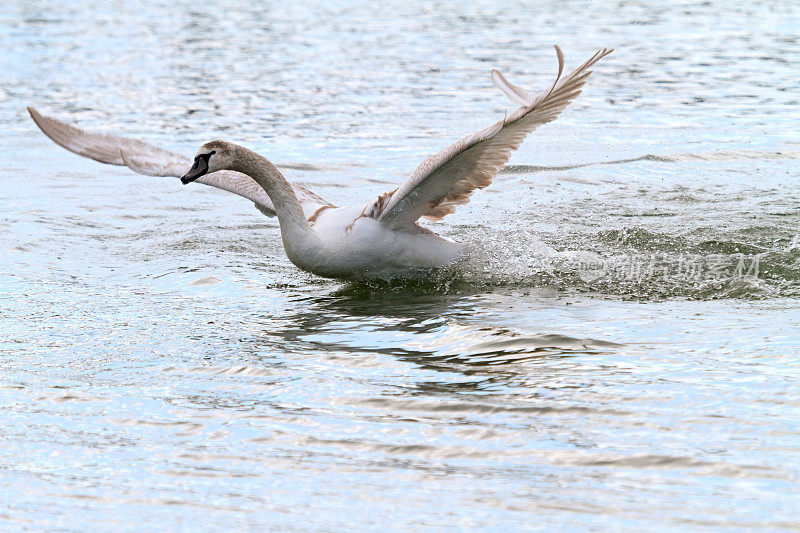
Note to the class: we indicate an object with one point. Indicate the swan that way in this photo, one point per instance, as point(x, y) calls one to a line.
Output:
point(377, 239)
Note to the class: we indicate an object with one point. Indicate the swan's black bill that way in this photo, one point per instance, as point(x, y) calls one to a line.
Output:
point(199, 168)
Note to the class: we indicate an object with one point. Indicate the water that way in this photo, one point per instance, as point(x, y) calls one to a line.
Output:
point(622, 351)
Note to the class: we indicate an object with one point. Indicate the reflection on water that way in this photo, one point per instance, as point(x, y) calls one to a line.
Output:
point(601, 362)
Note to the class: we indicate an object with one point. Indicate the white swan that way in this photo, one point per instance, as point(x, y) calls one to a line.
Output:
point(378, 239)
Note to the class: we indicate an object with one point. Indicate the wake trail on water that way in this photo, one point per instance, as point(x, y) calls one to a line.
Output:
point(730, 155)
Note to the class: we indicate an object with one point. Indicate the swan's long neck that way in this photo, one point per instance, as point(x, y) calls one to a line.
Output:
point(294, 226)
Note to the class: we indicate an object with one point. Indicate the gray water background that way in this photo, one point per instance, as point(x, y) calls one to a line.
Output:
point(164, 366)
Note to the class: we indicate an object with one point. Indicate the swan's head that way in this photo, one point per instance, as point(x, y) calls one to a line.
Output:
point(212, 156)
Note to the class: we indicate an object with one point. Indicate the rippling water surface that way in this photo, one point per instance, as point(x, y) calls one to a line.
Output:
point(621, 351)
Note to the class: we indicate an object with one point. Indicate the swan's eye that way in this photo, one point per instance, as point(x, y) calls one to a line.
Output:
point(207, 156)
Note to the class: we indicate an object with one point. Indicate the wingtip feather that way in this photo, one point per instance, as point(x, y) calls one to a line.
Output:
point(38, 119)
point(516, 94)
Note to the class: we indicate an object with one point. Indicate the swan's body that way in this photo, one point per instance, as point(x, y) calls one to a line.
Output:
point(352, 245)
point(380, 238)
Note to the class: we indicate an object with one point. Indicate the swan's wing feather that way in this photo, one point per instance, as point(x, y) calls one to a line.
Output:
point(448, 179)
point(517, 94)
point(150, 160)
point(520, 95)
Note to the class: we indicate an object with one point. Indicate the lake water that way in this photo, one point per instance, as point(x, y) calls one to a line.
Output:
point(622, 351)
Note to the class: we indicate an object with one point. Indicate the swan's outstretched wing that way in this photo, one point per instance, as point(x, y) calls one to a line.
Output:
point(448, 179)
point(150, 160)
